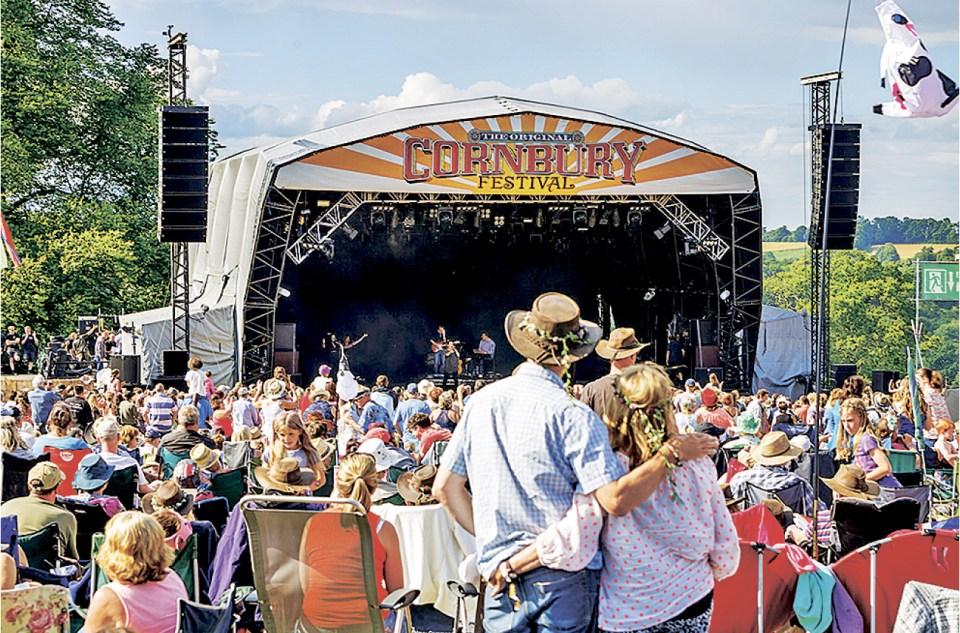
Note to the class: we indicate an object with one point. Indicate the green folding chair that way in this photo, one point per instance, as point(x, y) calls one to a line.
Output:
point(230, 485)
point(42, 547)
point(169, 461)
point(123, 485)
point(184, 565)
point(291, 549)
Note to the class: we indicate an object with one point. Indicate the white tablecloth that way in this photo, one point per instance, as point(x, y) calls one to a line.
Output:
point(432, 546)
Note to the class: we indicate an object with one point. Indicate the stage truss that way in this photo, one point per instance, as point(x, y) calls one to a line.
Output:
point(736, 257)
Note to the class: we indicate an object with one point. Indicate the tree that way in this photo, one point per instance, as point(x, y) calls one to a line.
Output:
point(887, 253)
point(79, 166)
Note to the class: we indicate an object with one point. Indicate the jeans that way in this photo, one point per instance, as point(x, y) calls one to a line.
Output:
point(549, 601)
point(438, 361)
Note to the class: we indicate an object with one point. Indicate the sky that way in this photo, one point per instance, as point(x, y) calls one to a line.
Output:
point(724, 74)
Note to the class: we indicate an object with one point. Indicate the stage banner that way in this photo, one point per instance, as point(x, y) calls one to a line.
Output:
point(523, 154)
point(939, 281)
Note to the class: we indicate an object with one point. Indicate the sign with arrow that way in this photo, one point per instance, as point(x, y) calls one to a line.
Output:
point(940, 281)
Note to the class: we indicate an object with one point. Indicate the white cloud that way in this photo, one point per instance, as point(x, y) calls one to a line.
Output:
point(204, 65)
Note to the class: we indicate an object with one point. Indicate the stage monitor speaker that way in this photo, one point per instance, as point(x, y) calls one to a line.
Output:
point(844, 194)
point(285, 337)
point(175, 362)
point(184, 159)
point(702, 374)
point(129, 367)
point(881, 380)
point(841, 373)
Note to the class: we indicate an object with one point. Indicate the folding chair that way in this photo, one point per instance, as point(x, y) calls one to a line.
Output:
point(435, 453)
point(15, 469)
point(183, 565)
point(169, 461)
point(193, 617)
point(790, 496)
point(285, 559)
point(21, 609)
point(91, 519)
point(216, 511)
point(945, 486)
point(769, 577)
point(857, 522)
point(42, 547)
point(231, 485)
point(69, 462)
point(922, 494)
point(123, 485)
point(465, 591)
point(236, 455)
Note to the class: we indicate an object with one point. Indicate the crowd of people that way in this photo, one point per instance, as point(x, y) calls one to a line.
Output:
point(608, 494)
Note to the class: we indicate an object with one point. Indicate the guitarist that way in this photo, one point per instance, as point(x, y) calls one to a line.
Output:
point(437, 347)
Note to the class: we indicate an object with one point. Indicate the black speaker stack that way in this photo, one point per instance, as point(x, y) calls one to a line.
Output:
point(844, 194)
point(174, 368)
point(183, 173)
point(129, 367)
point(882, 378)
point(841, 373)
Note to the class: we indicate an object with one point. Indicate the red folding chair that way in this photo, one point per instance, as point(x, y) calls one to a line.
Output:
point(69, 462)
point(760, 567)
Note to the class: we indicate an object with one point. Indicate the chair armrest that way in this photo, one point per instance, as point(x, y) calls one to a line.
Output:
point(462, 589)
point(400, 599)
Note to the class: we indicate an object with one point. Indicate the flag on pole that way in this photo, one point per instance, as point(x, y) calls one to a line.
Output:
point(7, 237)
point(912, 374)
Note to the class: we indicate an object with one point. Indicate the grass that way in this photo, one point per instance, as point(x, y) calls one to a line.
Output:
point(908, 251)
point(789, 251)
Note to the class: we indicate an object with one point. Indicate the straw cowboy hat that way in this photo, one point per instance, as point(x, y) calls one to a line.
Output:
point(775, 450)
point(416, 487)
point(169, 495)
point(623, 343)
point(273, 388)
point(284, 475)
point(851, 481)
point(551, 332)
point(204, 456)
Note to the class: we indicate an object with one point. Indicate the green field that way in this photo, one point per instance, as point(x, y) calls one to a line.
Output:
point(789, 251)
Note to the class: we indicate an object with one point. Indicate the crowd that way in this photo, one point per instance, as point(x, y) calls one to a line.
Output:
point(615, 495)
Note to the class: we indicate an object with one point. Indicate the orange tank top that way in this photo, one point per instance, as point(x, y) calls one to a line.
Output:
point(335, 595)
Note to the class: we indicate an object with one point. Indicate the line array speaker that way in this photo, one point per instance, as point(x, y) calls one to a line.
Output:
point(844, 194)
point(841, 373)
point(183, 173)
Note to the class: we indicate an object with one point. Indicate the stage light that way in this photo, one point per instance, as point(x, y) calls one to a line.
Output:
point(461, 218)
point(378, 219)
point(350, 232)
point(724, 295)
point(615, 217)
point(499, 221)
point(410, 221)
point(634, 219)
point(662, 231)
point(580, 219)
point(605, 218)
point(283, 292)
point(445, 217)
point(651, 293)
point(592, 222)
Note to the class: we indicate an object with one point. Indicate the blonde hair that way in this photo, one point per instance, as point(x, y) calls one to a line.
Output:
point(291, 420)
point(637, 415)
point(943, 425)
point(10, 439)
point(133, 549)
point(847, 446)
point(357, 478)
point(128, 433)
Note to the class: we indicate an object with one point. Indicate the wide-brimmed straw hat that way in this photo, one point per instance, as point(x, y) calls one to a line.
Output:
point(284, 475)
point(416, 486)
point(551, 332)
point(622, 343)
point(170, 496)
point(775, 449)
point(273, 388)
point(851, 481)
point(204, 456)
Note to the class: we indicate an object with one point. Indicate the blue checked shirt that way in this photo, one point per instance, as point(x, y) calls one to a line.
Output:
point(526, 445)
point(774, 478)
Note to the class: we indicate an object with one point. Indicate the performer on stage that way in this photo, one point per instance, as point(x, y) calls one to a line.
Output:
point(438, 346)
point(486, 350)
point(451, 366)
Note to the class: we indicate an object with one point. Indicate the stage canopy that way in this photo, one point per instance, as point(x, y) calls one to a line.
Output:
point(276, 205)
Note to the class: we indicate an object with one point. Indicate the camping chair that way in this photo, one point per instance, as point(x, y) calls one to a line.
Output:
point(15, 469)
point(216, 511)
point(236, 455)
point(790, 496)
point(875, 575)
point(945, 487)
point(193, 617)
point(279, 567)
point(20, 609)
point(169, 461)
point(435, 452)
point(183, 565)
point(69, 462)
point(923, 495)
point(464, 591)
point(856, 522)
point(769, 577)
point(42, 547)
point(231, 485)
point(123, 485)
point(91, 519)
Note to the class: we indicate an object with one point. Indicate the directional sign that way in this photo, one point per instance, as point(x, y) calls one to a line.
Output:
point(940, 281)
